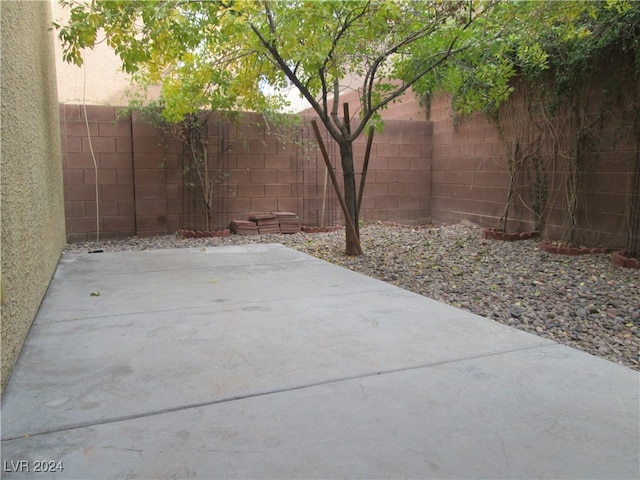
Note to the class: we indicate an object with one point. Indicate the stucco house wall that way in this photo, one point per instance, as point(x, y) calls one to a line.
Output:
point(100, 80)
point(31, 193)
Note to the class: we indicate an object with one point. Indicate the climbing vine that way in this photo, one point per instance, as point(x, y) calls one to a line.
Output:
point(575, 69)
point(198, 176)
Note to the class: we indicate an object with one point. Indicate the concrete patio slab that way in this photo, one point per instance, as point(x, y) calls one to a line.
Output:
point(263, 362)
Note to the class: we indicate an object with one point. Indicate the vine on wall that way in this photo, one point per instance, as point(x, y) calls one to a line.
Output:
point(589, 72)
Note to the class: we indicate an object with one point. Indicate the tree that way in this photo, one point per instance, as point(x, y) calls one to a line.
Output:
point(558, 57)
point(220, 55)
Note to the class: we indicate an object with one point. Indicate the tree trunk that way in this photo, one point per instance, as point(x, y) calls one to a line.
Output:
point(350, 196)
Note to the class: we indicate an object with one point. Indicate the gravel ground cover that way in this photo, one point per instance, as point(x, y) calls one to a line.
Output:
point(582, 301)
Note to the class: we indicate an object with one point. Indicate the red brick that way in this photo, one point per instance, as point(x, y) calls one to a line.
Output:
point(287, 204)
point(173, 223)
point(406, 176)
point(476, 135)
point(498, 149)
point(491, 133)
point(74, 209)
point(83, 225)
point(79, 129)
point(388, 201)
point(115, 160)
point(400, 163)
point(250, 161)
point(124, 144)
point(279, 161)
point(99, 145)
point(143, 129)
point(73, 176)
point(388, 150)
point(171, 161)
point(98, 113)
point(75, 237)
point(124, 176)
point(150, 177)
point(483, 149)
point(118, 223)
point(375, 189)
point(416, 151)
point(105, 176)
point(107, 208)
point(150, 207)
point(148, 160)
point(250, 191)
point(264, 204)
point(261, 177)
point(277, 191)
point(419, 189)
point(378, 163)
point(71, 144)
point(383, 176)
point(150, 192)
point(126, 208)
point(425, 138)
point(117, 235)
point(399, 137)
point(117, 192)
point(396, 189)
point(377, 214)
point(78, 160)
point(174, 191)
point(239, 176)
point(289, 176)
point(148, 145)
point(151, 224)
point(421, 164)
point(467, 150)
point(239, 205)
point(69, 112)
point(408, 201)
point(80, 192)
point(263, 147)
point(121, 128)
point(174, 206)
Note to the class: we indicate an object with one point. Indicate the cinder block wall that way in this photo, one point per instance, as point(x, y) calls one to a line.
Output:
point(141, 184)
point(470, 180)
point(398, 187)
point(32, 235)
point(105, 138)
point(469, 177)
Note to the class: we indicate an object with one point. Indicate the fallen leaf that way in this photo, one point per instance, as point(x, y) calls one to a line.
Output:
point(95, 294)
point(213, 280)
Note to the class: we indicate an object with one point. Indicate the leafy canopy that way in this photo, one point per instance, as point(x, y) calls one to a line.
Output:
point(221, 54)
point(559, 43)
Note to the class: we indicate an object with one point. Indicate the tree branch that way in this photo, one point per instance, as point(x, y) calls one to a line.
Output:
point(273, 51)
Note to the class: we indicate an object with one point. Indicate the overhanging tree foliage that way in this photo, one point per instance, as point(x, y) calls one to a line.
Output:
point(574, 64)
point(221, 54)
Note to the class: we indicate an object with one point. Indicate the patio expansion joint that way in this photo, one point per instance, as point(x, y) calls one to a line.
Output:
point(542, 345)
point(45, 321)
point(189, 269)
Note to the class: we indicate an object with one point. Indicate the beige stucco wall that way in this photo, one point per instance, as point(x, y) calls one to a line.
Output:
point(100, 80)
point(31, 188)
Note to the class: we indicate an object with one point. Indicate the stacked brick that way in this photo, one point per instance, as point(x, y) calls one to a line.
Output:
point(266, 222)
point(288, 222)
point(263, 223)
point(244, 227)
